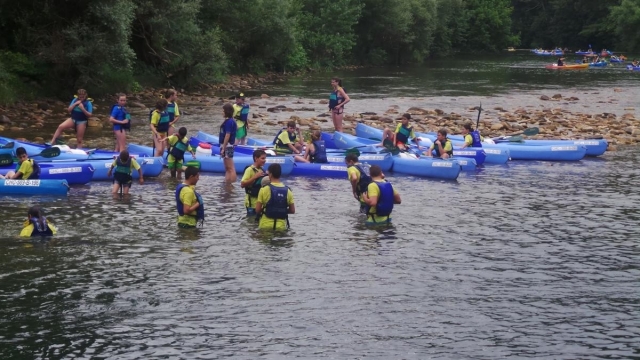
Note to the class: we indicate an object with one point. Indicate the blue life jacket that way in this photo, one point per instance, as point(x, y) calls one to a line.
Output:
point(77, 114)
point(278, 143)
point(171, 110)
point(35, 174)
point(335, 98)
point(364, 182)
point(243, 114)
point(38, 229)
point(180, 205)
point(122, 114)
point(385, 201)
point(403, 135)
point(477, 141)
point(277, 208)
point(178, 149)
point(163, 123)
point(320, 154)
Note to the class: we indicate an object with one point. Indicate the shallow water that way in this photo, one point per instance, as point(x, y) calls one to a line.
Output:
point(533, 259)
point(526, 260)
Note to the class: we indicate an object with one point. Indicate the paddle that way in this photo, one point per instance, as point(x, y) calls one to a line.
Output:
point(9, 145)
point(517, 136)
point(479, 111)
point(49, 152)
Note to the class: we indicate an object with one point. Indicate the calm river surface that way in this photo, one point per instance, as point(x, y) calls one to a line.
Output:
point(529, 260)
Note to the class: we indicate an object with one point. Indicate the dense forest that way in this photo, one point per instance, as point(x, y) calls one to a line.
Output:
point(54, 46)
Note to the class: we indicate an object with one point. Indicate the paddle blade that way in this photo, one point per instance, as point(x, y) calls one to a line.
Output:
point(50, 152)
point(531, 131)
point(515, 139)
point(9, 145)
point(6, 159)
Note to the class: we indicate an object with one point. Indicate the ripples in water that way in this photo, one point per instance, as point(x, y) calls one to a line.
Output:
point(532, 260)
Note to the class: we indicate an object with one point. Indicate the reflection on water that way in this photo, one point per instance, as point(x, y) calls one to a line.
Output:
point(526, 260)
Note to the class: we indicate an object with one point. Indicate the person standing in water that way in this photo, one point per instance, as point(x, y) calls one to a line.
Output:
point(227, 139)
point(172, 109)
point(81, 110)
point(241, 114)
point(121, 121)
point(337, 99)
point(37, 225)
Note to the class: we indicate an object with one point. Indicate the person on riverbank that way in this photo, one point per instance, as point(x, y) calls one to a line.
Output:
point(442, 147)
point(380, 198)
point(287, 142)
point(124, 166)
point(27, 169)
point(172, 109)
point(178, 146)
point(275, 202)
point(358, 175)
point(252, 181)
point(400, 136)
point(241, 115)
point(188, 202)
point(121, 121)
point(37, 224)
point(227, 139)
point(81, 110)
point(471, 138)
point(160, 126)
point(337, 99)
point(316, 151)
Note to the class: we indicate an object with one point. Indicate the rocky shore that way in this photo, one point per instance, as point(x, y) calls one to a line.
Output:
point(36, 121)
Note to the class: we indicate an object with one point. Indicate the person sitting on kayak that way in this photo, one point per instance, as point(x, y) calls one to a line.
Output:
point(123, 165)
point(560, 61)
point(37, 225)
point(635, 63)
point(26, 169)
point(316, 150)
point(441, 147)
point(288, 142)
point(380, 198)
point(252, 181)
point(400, 137)
point(471, 138)
point(585, 60)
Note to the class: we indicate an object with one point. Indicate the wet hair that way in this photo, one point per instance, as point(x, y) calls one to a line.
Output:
point(228, 110)
point(443, 132)
point(21, 151)
point(338, 80)
point(182, 132)
point(258, 153)
point(467, 126)
point(291, 124)
point(375, 170)
point(161, 104)
point(275, 170)
point(124, 155)
point(119, 95)
point(351, 157)
point(191, 171)
point(316, 135)
point(37, 218)
point(407, 116)
point(83, 92)
point(169, 93)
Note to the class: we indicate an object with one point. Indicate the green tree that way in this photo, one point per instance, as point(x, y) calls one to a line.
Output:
point(489, 25)
point(451, 27)
point(626, 19)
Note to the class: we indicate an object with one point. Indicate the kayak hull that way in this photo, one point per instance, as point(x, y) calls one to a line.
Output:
point(544, 153)
point(427, 167)
point(33, 187)
point(73, 173)
point(566, 67)
point(594, 147)
point(331, 170)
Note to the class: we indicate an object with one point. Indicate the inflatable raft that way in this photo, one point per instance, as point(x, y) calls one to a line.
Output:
point(427, 167)
point(599, 64)
point(635, 68)
point(151, 166)
point(373, 134)
point(73, 173)
point(33, 187)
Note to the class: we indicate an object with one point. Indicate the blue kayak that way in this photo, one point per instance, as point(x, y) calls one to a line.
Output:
point(150, 166)
point(634, 68)
point(34, 187)
point(371, 133)
point(427, 167)
point(214, 163)
point(73, 173)
point(599, 64)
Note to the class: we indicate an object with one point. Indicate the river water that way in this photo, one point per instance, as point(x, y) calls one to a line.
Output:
point(528, 260)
